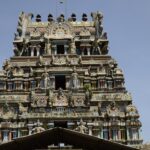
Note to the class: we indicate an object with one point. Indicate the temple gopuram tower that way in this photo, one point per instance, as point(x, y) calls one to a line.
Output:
point(61, 75)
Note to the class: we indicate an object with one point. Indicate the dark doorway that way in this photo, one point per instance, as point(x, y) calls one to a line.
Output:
point(60, 49)
point(62, 124)
point(60, 82)
point(85, 51)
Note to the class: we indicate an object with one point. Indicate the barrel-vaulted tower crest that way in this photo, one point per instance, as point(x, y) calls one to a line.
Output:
point(62, 76)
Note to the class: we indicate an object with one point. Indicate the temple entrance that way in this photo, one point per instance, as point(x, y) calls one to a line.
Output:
point(62, 124)
point(60, 49)
point(60, 82)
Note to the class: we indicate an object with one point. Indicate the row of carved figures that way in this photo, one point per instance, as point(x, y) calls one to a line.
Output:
point(97, 48)
point(95, 128)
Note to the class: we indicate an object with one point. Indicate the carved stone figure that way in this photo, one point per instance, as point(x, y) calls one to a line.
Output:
point(35, 33)
point(23, 110)
point(75, 81)
point(16, 50)
point(72, 47)
point(97, 18)
point(17, 70)
point(22, 23)
point(88, 94)
point(60, 98)
point(81, 128)
point(112, 110)
point(40, 62)
point(104, 48)
point(38, 128)
point(96, 48)
point(48, 47)
point(80, 59)
point(67, 60)
point(45, 81)
point(70, 99)
point(9, 72)
point(60, 93)
point(104, 36)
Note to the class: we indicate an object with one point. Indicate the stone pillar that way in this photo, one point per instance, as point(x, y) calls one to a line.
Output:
point(139, 132)
point(119, 134)
point(101, 133)
point(81, 83)
point(10, 136)
point(82, 51)
point(88, 51)
point(21, 85)
point(30, 126)
point(90, 130)
point(67, 82)
point(30, 130)
point(105, 84)
point(19, 134)
point(52, 82)
point(38, 82)
point(32, 51)
point(0, 135)
point(26, 85)
point(5, 85)
point(65, 49)
point(38, 51)
point(5, 135)
point(128, 138)
point(55, 49)
point(110, 135)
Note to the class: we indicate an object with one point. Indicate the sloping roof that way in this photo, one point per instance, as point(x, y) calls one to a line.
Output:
point(61, 135)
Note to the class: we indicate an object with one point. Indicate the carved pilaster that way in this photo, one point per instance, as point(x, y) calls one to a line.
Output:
point(10, 136)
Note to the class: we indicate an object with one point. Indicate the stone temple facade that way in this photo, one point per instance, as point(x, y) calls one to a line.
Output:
point(61, 75)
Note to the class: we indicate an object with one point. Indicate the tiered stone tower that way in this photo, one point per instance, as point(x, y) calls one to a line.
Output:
point(62, 76)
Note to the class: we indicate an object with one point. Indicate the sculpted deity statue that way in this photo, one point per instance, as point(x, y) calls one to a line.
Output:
point(24, 19)
point(23, 110)
point(88, 94)
point(96, 47)
point(97, 18)
point(40, 62)
point(45, 80)
point(38, 128)
point(48, 47)
point(9, 72)
point(70, 99)
point(60, 93)
point(81, 128)
point(72, 47)
point(16, 50)
point(112, 109)
point(75, 80)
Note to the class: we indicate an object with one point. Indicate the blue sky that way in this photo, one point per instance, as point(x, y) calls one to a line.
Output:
point(127, 23)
